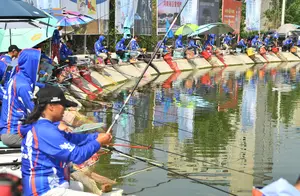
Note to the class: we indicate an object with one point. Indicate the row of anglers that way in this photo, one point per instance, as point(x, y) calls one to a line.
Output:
point(34, 123)
point(195, 46)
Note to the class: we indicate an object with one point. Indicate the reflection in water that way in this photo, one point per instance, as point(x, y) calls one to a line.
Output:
point(123, 128)
point(249, 102)
point(233, 117)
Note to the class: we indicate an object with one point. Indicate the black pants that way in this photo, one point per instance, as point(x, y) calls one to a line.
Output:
point(121, 53)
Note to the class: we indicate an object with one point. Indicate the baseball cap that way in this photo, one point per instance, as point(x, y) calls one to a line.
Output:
point(12, 48)
point(53, 94)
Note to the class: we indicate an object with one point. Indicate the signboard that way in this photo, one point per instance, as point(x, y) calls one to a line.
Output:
point(253, 12)
point(97, 9)
point(190, 13)
point(196, 12)
point(44, 4)
point(231, 14)
point(208, 11)
point(136, 14)
point(167, 10)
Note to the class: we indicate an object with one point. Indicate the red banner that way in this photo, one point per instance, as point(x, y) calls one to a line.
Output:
point(231, 13)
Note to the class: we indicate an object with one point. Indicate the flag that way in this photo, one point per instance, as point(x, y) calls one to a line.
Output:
point(170, 34)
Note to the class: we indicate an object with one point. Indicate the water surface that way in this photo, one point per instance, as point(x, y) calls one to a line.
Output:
point(234, 128)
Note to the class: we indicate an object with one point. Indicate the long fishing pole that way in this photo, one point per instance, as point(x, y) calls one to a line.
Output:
point(144, 71)
point(174, 172)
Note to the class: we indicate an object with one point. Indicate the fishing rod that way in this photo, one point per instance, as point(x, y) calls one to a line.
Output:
point(144, 71)
point(173, 172)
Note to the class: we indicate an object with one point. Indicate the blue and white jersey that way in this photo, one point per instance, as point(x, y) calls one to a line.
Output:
point(46, 153)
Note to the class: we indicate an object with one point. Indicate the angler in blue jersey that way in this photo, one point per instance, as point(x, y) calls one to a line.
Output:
point(267, 40)
point(100, 49)
point(13, 52)
point(227, 42)
point(134, 48)
point(255, 41)
point(287, 44)
point(210, 41)
point(17, 99)
point(178, 42)
point(66, 52)
point(242, 44)
point(47, 150)
point(120, 48)
point(192, 45)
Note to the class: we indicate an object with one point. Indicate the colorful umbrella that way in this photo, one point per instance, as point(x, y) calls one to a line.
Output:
point(186, 29)
point(215, 28)
point(27, 37)
point(17, 9)
point(284, 29)
point(70, 18)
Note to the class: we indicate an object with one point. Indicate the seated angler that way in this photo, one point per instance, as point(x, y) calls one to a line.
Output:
point(267, 40)
point(210, 42)
point(287, 44)
point(101, 50)
point(255, 41)
point(17, 99)
point(66, 53)
point(178, 42)
point(120, 48)
point(227, 42)
point(242, 44)
point(47, 151)
point(192, 45)
point(134, 48)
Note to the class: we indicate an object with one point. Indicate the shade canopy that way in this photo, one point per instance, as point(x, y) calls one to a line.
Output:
point(18, 9)
point(186, 29)
point(214, 28)
point(27, 37)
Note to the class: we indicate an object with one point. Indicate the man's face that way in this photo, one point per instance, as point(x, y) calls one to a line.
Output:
point(69, 45)
point(15, 54)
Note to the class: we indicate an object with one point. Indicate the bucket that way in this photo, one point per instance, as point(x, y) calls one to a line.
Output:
point(293, 49)
point(275, 50)
point(250, 52)
point(206, 54)
point(190, 54)
point(262, 50)
point(178, 53)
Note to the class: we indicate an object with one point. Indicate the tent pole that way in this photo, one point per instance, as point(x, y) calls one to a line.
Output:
point(283, 12)
point(10, 36)
point(84, 44)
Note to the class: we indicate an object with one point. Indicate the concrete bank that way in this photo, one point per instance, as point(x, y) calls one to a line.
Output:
point(114, 78)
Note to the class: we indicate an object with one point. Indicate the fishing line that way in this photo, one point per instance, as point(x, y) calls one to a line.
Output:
point(196, 159)
point(162, 123)
point(149, 187)
point(174, 172)
point(177, 154)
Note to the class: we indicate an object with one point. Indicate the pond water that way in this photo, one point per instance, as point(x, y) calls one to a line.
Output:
point(231, 128)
